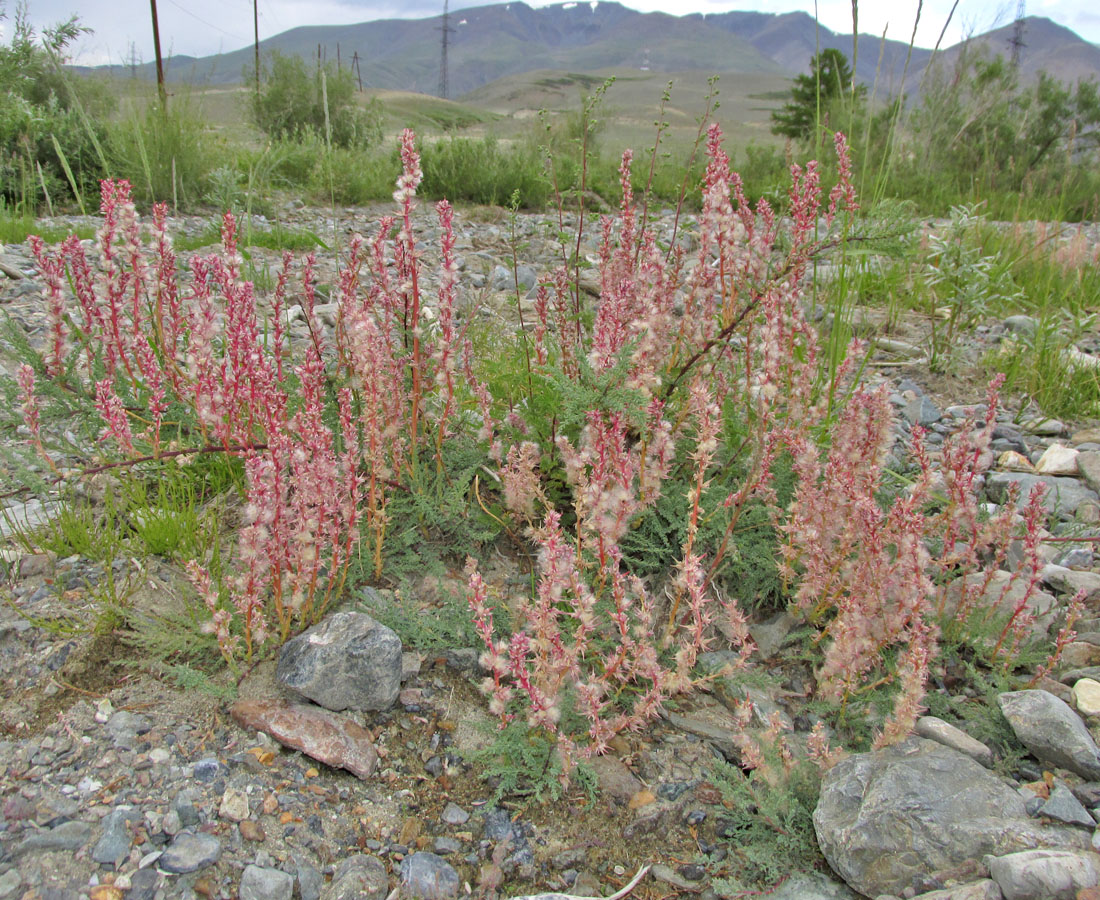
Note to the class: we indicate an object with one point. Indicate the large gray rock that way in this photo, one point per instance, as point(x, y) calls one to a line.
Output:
point(1045, 874)
point(1063, 494)
point(349, 661)
point(887, 819)
point(1052, 731)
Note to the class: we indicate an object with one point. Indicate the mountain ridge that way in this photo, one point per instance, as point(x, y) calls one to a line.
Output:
point(494, 41)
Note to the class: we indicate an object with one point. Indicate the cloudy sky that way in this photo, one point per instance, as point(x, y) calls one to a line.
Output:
point(204, 27)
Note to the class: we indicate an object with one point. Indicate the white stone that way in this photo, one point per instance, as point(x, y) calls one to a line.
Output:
point(234, 805)
point(1057, 460)
point(1086, 697)
point(103, 710)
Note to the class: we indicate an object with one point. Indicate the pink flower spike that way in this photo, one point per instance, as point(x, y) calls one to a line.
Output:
point(114, 414)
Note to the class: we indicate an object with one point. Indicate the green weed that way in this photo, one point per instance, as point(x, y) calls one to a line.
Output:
point(523, 762)
point(768, 824)
point(444, 626)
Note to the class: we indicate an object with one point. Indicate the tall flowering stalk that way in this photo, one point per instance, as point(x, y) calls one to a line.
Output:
point(32, 415)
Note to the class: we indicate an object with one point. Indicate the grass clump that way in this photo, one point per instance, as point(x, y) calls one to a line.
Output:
point(485, 172)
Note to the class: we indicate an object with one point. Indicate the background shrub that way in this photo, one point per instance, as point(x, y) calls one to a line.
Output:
point(296, 100)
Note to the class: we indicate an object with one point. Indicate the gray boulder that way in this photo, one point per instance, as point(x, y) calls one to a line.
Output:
point(348, 661)
point(887, 819)
point(1052, 731)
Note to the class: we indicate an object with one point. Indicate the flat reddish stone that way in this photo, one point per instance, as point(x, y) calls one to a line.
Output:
point(318, 733)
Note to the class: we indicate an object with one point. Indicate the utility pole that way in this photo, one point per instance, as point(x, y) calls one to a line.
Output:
point(446, 29)
point(160, 62)
point(256, 41)
point(1017, 40)
point(355, 65)
point(337, 57)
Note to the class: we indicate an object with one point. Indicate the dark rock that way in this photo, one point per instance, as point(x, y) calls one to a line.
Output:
point(310, 880)
point(1051, 731)
point(348, 661)
point(206, 770)
point(324, 736)
point(616, 781)
point(673, 790)
point(719, 737)
point(190, 852)
point(886, 817)
point(445, 846)
point(359, 877)
point(259, 883)
point(463, 660)
point(1062, 806)
point(113, 845)
point(429, 877)
point(498, 826)
point(1070, 676)
point(453, 814)
point(1087, 793)
point(921, 411)
point(143, 884)
point(68, 836)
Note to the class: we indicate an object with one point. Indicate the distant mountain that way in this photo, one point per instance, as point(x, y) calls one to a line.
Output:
point(791, 39)
point(491, 42)
point(1047, 47)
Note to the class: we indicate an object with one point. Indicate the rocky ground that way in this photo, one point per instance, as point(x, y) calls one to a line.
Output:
point(118, 782)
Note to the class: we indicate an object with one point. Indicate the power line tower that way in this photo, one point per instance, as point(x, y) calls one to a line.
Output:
point(447, 30)
point(1017, 39)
